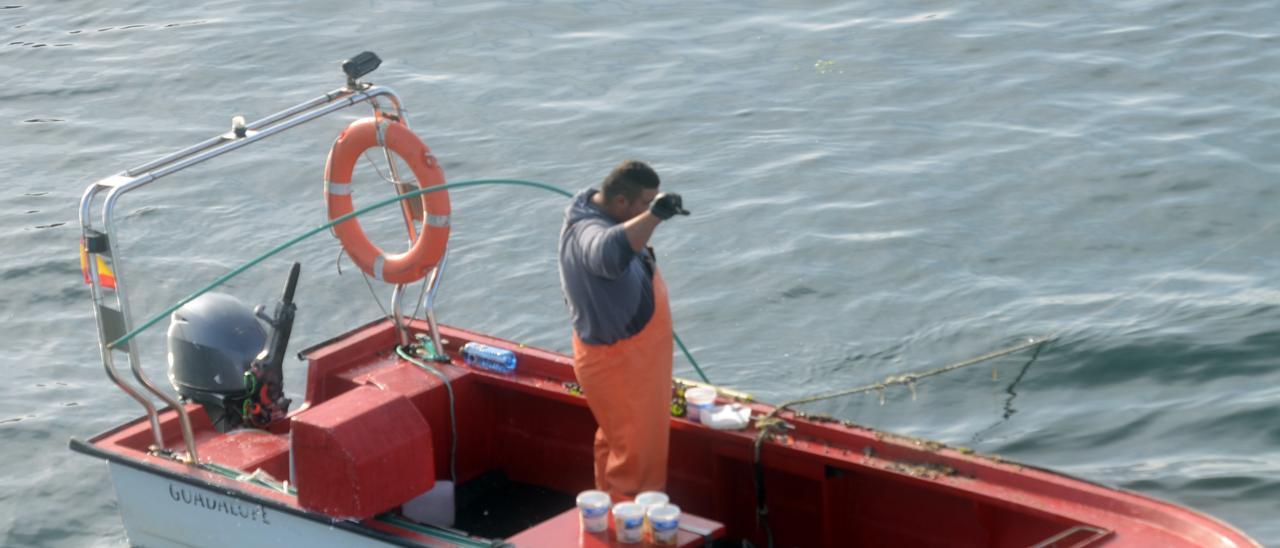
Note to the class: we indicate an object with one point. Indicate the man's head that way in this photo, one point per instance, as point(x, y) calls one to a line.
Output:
point(628, 190)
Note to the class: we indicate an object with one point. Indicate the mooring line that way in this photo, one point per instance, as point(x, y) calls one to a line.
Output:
point(1163, 278)
point(910, 379)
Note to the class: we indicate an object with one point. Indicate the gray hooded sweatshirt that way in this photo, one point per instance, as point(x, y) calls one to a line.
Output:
point(607, 285)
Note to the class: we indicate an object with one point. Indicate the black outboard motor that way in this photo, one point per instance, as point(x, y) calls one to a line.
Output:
point(221, 357)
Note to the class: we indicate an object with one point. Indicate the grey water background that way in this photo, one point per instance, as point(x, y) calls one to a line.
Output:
point(877, 187)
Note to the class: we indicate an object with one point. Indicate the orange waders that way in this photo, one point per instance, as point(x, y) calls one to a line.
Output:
point(628, 387)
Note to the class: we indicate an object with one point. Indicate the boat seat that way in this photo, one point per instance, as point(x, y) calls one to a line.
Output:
point(362, 453)
point(249, 450)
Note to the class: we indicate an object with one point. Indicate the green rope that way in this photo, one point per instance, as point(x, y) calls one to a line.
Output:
point(448, 186)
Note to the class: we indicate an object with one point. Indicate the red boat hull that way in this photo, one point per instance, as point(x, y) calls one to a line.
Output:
point(828, 484)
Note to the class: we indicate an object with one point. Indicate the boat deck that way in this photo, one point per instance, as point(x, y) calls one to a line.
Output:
point(828, 483)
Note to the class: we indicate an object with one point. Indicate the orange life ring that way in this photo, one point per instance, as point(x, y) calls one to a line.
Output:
point(428, 248)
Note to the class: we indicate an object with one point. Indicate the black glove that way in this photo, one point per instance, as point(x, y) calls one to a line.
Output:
point(667, 205)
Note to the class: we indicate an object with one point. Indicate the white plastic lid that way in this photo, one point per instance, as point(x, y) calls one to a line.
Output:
point(628, 510)
point(652, 498)
point(700, 395)
point(593, 499)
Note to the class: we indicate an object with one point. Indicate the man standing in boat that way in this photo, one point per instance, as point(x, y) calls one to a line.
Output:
point(622, 342)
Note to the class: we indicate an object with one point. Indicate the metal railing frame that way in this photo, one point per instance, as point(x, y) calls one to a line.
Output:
point(116, 186)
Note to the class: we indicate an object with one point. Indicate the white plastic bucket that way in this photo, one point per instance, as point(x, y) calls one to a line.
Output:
point(628, 522)
point(650, 499)
point(698, 399)
point(593, 510)
point(664, 521)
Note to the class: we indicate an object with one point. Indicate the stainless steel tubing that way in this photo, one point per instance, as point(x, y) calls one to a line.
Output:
point(437, 276)
point(397, 314)
point(214, 141)
point(406, 208)
point(108, 359)
point(135, 361)
point(147, 173)
point(174, 162)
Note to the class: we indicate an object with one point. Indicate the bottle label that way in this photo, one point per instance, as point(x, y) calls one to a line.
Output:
point(488, 357)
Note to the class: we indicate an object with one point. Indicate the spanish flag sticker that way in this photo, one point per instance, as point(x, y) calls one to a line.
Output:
point(105, 276)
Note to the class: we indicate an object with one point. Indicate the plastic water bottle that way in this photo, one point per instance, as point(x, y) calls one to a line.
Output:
point(488, 357)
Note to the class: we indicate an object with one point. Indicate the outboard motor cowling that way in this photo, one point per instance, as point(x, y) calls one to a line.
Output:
point(213, 341)
point(221, 357)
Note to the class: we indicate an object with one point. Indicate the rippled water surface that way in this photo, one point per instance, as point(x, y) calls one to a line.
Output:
point(877, 188)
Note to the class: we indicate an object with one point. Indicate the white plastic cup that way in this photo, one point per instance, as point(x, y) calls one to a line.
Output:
point(650, 499)
point(593, 510)
point(628, 522)
point(699, 399)
point(664, 519)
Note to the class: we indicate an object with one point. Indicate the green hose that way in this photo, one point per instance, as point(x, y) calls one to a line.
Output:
point(448, 186)
point(453, 408)
point(702, 375)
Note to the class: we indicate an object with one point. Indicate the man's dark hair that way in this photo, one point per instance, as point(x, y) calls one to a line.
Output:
point(628, 179)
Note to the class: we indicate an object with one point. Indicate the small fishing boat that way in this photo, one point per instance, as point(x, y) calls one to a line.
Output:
point(403, 439)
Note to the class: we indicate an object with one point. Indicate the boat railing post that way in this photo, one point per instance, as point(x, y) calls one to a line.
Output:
point(104, 336)
point(406, 206)
point(407, 209)
point(397, 313)
point(135, 360)
point(433, 284)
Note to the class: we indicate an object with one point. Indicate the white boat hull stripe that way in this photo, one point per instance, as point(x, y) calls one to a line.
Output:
point(158, 511)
